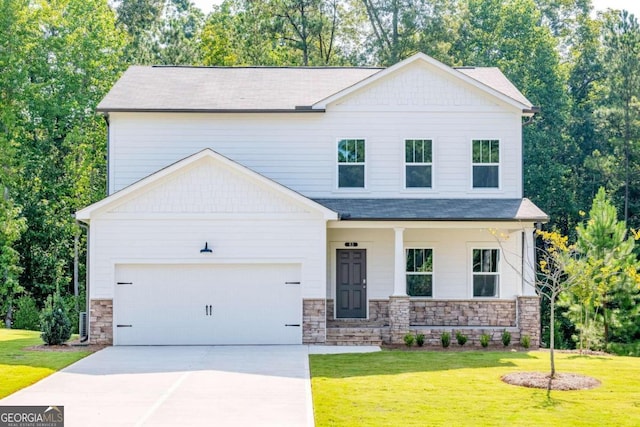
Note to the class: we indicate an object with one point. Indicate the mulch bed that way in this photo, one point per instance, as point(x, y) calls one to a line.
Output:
point(562, 381)
point(67, 347)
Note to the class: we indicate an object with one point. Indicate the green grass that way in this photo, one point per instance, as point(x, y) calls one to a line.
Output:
point(393, 388)
point(20, 368)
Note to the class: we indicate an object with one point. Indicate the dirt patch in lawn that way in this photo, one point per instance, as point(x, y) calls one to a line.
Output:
point(562, 381)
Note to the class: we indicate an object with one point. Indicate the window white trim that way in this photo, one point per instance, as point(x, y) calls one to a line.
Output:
point(499, 165)
point(405, 164)
point(338, 164)
point(430, 273)
point(471, 274)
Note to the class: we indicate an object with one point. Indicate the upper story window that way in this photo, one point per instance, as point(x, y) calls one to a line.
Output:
point(486, 163)
point(420, 272)
point(486, 272)
point(418, 159)
point(351, 155)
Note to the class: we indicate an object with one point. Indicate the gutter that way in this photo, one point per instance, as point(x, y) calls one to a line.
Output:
point(297, 109)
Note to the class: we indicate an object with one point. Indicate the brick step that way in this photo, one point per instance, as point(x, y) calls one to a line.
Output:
point(354, 343)
point(354, 336)
point(353, 323)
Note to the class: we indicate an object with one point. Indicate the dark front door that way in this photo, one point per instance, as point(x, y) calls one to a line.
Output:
point(351, 284)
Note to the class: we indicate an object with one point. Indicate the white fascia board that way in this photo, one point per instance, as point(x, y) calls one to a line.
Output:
point(484, 225)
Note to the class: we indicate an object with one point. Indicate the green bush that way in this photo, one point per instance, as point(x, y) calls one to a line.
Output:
point(624, 349)
point(408, 340)
point(55, 324)
point(484, 340)
point(445, 339)
point(461, 338)
point(72, 313)
point(506, 338)
point(27, 315)
point(420, 340)
point(525, 341)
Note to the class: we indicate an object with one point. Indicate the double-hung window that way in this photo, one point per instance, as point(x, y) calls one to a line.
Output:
point(420, 272)
point(351, 157)
point(418, 163)
point(486, 272)
point(486, 163)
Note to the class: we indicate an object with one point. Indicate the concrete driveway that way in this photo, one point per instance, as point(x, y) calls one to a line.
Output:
point(180, 386)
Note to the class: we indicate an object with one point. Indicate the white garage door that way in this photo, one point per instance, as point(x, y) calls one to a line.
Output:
point(207, 304)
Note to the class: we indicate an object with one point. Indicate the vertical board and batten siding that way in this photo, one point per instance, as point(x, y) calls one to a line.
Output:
point(298, 150)
point(451, 264)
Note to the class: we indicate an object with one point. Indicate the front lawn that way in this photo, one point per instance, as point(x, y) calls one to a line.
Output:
point(400, 388)
point(20, 368)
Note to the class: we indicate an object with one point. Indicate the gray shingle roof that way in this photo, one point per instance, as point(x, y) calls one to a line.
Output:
point(220, 89)
point(493, 77)
point(436, 209)
point(227, 88)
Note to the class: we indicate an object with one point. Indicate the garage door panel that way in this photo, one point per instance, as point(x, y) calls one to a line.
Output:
point(250, 304)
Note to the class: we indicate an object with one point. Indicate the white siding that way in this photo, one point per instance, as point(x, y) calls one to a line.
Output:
point(452, 259)
point(178, 241)
point(169, 220)
point(298, 150)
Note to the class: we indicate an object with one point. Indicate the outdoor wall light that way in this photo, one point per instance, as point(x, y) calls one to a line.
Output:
point(206, 248)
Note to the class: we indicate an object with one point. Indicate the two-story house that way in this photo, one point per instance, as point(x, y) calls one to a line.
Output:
point(266, 205)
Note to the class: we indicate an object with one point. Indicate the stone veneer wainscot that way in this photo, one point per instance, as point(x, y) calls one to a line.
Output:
point(101, 321)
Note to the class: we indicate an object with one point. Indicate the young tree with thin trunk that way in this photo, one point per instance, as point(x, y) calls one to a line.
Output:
point(555, 259)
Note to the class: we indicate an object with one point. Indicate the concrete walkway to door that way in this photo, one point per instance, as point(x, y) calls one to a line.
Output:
point(181, 386)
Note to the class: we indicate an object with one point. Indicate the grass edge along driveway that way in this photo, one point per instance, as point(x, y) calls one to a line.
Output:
point(438, 388)
point(20, 368)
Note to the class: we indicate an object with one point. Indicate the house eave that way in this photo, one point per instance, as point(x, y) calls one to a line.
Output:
point(297, 109)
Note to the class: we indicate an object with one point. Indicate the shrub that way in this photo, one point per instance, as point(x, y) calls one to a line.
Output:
point(408, 340)
point(484, 340)
point(72, 313)
point(506, 338)
point(27, 315)
point(420, 340)
point(525, 341)
point(445, 338)
point(55, 324)
point(624, 349)
point(461, 338)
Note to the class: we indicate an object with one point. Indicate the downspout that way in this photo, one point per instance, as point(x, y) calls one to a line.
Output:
point(105, 116)
point(75, 274)
point(533, 110)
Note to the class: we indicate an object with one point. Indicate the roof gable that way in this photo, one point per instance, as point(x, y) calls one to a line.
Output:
point(415, 87)
point(205, 183)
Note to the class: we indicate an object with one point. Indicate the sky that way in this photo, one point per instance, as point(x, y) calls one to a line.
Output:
point(632, 6)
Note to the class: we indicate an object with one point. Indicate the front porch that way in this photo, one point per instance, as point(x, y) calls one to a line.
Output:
point(398, 266)
point(389, 320)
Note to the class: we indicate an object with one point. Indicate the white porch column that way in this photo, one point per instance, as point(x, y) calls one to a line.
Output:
point(399, 275)
point(528, 263)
